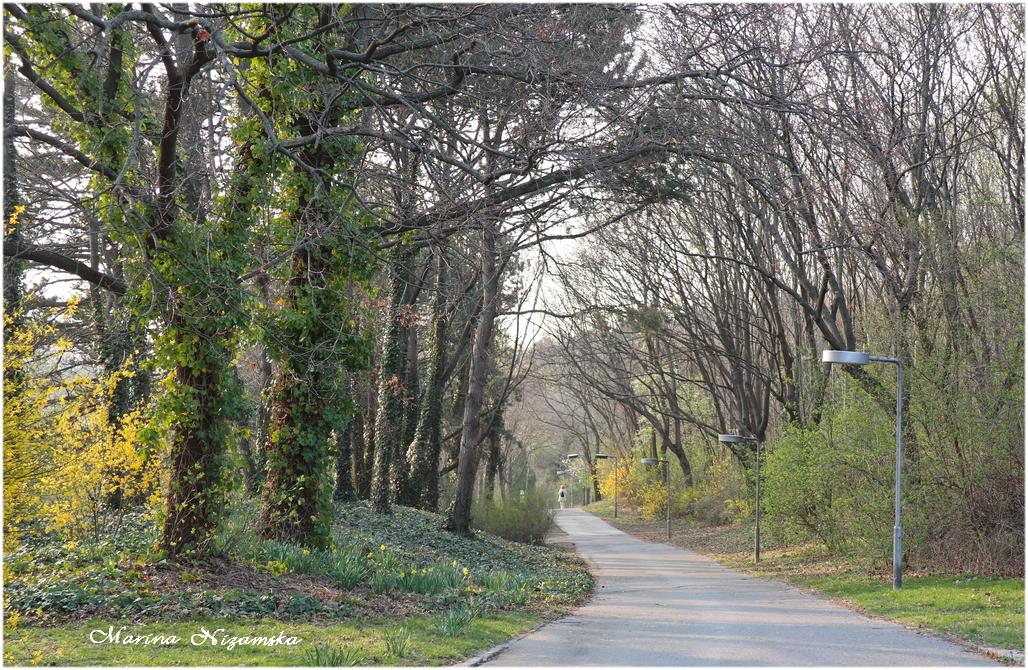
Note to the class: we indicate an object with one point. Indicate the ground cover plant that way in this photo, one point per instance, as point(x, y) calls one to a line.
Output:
point(401, 577)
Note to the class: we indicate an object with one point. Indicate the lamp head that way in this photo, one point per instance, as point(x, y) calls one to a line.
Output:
point(572, 455)
point(649, 461)
point(601, 456)
point(845, 357)
point(734, 439)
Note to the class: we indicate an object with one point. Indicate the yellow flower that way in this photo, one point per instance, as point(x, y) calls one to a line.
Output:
point(38, 658)
point(402, 575)
point(454, 563)
point(306, 552)
point(466, 571)
point(381, 547)
point(370, 555)
point(12, 621)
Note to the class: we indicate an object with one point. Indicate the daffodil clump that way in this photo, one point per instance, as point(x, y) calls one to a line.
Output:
point(391, 574)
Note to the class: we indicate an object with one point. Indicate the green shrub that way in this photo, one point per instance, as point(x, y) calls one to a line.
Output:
point(527, 519)
point(832, 483)
point(720, 497)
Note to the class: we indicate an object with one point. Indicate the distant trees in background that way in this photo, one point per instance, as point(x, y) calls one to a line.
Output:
point(863, 190)
point(285, 252)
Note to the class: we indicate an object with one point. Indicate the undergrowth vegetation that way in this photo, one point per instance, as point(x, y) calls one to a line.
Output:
point(405, 555)
point(526, 518)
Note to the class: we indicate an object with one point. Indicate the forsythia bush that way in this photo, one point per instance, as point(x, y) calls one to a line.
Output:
point(64, 461)
point(652, 500)
point(607, 482)
point(718, 497)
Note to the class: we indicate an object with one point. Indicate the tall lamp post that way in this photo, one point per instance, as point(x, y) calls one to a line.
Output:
point(859, 358)
point(667, 484)
point(736, 439)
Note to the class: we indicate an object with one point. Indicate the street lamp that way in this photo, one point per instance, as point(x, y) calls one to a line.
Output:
point(736, 439)
point(859, 358)
point(667, 484)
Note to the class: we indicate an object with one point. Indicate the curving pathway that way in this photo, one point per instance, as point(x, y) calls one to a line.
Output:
point(657, 605)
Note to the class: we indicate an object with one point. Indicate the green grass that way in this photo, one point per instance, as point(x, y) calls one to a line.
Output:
point(983, 610)
point(986, 610)
point(368, 641)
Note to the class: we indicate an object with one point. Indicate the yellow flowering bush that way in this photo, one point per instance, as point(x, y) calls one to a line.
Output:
point(64, 460)
point(607, 481)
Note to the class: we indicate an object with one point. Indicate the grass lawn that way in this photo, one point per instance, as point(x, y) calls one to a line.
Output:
point(982, 610)
point(348, 643)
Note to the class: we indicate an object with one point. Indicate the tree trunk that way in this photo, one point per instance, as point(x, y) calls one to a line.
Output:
point(194, 493)
point(459, 518)
point(14, 268)
point(425, 447)
point(370, 441)
point(303, 414)
point(344, 489)
point(361, 474)
point(492, 465)
point(389, 474)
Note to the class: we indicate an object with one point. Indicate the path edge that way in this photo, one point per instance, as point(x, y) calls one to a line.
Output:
point(490, 654)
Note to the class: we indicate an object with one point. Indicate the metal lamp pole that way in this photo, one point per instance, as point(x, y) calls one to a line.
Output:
point(604, 456)
point(730, 439)
point(667, 483)
point(859, 358)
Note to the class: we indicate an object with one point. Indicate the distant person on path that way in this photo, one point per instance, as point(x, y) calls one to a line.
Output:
point(561, 495)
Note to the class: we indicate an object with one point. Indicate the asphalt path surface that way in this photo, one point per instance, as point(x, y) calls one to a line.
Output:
point(657, 605)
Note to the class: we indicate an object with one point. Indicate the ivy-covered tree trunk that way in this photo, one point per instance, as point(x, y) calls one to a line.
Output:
point(366, 478)
point(356, 427)
point(407, 492)
point(202, 320)
point(197, 455)
point(296, 492)
point(344, 488)
point(309, 399)
point(425, 447)
point(313, 337)
point(406, 374)
point(391, 475)
point(13, 267)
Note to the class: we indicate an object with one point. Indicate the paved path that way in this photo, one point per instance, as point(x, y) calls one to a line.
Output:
point(656, 605)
